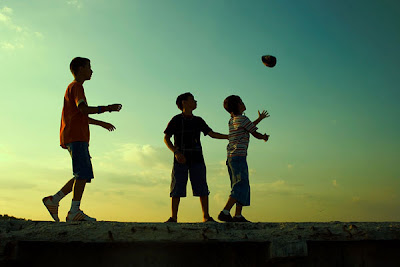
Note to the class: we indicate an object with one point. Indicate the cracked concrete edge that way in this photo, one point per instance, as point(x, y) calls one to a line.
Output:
point(286, 239)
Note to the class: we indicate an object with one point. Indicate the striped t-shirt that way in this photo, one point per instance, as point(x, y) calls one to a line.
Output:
point(240, 128)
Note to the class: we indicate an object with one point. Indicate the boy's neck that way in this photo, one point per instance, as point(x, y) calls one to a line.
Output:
point(235, 115)
point(187, 113)
point(79, 79)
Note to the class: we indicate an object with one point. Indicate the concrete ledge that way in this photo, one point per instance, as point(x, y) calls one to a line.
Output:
point(263, 243)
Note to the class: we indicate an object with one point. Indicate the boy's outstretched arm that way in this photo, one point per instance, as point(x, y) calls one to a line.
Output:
point(85, 109)
point(103, 124)
point(264, 114)
point(178, 155)
point(217, 135)
point(260, 136)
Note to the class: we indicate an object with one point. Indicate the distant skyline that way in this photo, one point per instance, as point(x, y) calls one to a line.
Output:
point(333, 98)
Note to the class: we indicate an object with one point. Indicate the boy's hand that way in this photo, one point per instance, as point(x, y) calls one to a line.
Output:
point(180, 157)
point(114, 107)
point(108, 126)
point(264, 114)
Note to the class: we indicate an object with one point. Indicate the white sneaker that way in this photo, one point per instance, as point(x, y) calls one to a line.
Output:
point(79, 216)
point(51, 207)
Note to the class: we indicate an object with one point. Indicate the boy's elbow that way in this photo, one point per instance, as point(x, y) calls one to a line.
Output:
point(256, 135)
point(83, 109)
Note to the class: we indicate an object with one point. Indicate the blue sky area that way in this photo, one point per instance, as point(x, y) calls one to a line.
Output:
point(333, 100)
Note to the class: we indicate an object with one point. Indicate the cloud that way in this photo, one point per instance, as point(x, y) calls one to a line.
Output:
point(5, 13)
point(145, 165)
point(277, 187)
point(10, 46)
point(17, 35)
point(75, 3)
point(6, 10)
point(5, 17)
point(142, 179)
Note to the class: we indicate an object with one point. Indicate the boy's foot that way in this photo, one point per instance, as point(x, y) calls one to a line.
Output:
point(239, 219)
point(225, 218)
point(171, 220)
point(209, 219)
point(51, 207)
point(79, 216)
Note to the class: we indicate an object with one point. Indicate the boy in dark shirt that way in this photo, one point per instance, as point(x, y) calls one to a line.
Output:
point(188, 155)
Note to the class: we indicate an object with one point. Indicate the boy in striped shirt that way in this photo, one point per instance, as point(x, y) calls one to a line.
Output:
point(240, 128)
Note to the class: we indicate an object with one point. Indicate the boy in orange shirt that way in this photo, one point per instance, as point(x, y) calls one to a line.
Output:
point(74, 136)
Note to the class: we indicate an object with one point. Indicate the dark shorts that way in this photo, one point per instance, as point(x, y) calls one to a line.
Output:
point(197, 173)
point(81, 163)
point(239, 175)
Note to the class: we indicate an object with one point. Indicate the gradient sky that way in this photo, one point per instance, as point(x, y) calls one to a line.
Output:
point(333, 153)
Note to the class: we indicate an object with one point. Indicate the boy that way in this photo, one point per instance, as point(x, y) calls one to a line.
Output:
point(239, 128)
point(188, 155)
point(74, 136)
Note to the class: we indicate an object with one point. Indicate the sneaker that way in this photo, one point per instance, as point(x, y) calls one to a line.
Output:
point(210, 219)
point(225, 218)
point(51, 207)
point(171, 220)
point(79, 216)
point(239, 219)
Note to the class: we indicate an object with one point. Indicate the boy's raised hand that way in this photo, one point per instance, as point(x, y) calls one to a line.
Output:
point(114, 107)
point(264, 114)
point(107, 126)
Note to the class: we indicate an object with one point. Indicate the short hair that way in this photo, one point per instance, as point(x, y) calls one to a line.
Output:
point(76, 63)
point(231, 104)
point(182, 97)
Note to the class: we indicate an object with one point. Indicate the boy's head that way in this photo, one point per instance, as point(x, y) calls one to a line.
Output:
point(81, 66)
point(234, 105)
point(186, 101)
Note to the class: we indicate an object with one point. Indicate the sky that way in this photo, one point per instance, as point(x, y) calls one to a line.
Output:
point(333, 153)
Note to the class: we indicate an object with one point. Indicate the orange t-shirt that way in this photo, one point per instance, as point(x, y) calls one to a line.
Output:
point(74, 124)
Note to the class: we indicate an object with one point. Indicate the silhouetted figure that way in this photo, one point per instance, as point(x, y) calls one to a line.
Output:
point(240, 128)
point(74, 136)
point(188, 155)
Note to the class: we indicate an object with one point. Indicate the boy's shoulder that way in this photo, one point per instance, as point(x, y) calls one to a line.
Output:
point(74, 85)
point(239, 117)
point(176, 117)
point(180, 117)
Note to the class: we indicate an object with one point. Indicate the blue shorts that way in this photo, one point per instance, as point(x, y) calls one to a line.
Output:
point(198, 180)
point(81, 163)
point(239, 175)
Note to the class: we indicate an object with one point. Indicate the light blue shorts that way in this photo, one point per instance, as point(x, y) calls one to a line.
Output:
point(81, 163)
point(239, 175)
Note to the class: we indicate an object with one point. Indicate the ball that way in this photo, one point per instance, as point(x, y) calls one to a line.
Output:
point(269, 61)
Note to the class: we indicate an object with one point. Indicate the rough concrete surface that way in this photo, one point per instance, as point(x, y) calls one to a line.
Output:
point(38, 243)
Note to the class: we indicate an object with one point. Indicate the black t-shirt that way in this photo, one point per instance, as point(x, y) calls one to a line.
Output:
point(186, 132)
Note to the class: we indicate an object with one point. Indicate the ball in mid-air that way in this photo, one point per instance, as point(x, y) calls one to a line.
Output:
point(269, 61)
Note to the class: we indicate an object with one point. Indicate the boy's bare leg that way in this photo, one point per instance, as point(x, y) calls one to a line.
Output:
point(238, 211)
point(175, 205)
point(67, 188)
point(79, 187)
point(230, 203)
point(204, 207)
